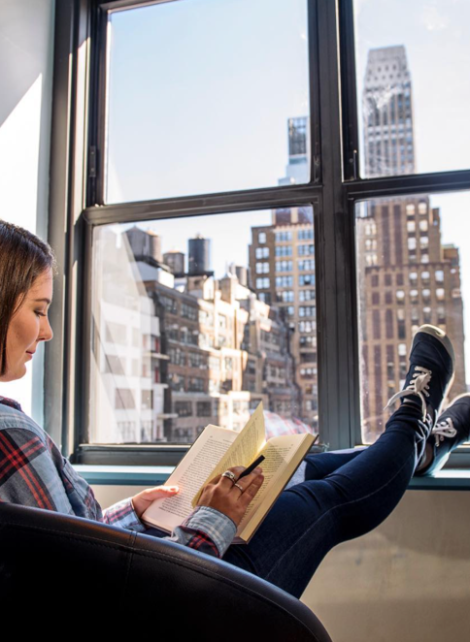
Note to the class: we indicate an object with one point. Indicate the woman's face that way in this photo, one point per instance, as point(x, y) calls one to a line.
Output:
point(28, 326)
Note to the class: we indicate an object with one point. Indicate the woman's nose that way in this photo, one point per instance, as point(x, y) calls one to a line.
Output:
point(46, 333)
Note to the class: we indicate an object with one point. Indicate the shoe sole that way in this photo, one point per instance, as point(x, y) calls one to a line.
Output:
point(441, 336)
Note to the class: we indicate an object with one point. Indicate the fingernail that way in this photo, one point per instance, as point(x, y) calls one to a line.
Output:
point(258, 471)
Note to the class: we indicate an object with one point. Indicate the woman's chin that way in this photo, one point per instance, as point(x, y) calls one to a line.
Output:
point(18, 373)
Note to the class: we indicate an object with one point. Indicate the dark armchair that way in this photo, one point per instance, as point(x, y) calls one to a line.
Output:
point(55, 567)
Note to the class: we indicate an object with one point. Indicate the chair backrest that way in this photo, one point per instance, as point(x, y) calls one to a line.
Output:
point(58, 564)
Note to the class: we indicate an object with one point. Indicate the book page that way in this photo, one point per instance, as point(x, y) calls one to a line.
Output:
point(244, 450)
point(283, 455)
point(195, 468)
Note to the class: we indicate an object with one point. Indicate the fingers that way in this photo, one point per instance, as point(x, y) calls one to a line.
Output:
point(160, 491)
point(226, 482)
point(248, 486)
point(247, 495)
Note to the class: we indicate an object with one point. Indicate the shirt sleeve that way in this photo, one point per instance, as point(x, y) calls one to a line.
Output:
point(206, 530)
point(28, 475)
point(123, 515)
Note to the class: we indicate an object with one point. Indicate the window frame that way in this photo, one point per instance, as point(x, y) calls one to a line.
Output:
point(77, 207)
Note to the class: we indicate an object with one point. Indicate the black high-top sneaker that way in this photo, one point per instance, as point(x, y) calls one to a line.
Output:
point(451, 430)
point(429, 377)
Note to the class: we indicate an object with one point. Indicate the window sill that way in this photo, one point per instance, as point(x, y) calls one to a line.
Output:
point(102, 475)
point(452, 479)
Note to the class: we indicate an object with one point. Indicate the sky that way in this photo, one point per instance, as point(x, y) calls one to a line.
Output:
point(200, 92)
point(195, 99)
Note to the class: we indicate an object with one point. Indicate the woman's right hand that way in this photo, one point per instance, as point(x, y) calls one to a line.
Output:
point(221, 493)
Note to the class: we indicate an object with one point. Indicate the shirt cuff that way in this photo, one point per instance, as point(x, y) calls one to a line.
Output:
point(214, 524)
point(123, 515)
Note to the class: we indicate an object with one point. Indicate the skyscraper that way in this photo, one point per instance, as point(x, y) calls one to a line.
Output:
point(406, 277)
point(388, 114)
point(297, 169)
point(282, 267)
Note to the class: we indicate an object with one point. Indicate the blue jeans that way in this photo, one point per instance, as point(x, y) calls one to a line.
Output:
point(344, 495)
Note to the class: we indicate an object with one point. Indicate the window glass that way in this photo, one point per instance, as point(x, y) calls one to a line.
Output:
point(206, 97)
point(210, 338)
point(408, 123)
point(384, 349)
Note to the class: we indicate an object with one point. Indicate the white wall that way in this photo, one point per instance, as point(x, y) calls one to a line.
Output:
point(26, 65)
point(408, 580)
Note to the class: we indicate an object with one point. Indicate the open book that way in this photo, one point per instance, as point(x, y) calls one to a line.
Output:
point(217, 449)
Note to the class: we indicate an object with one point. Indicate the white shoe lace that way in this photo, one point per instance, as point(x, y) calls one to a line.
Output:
point(444, 429)
point(419, 385)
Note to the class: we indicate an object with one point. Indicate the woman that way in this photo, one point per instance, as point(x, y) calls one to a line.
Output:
point(334, 496)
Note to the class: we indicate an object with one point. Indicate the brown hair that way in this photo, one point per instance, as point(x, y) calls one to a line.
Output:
point(23, 257)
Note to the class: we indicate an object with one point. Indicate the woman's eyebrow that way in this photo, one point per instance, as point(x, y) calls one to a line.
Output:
point(42, 300)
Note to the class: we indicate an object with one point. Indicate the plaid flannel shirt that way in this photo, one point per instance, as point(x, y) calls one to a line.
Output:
point(33, 472)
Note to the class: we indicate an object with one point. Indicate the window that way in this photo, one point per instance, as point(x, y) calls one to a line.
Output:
point(306, 265)
point(306, 279)
point(306, 295)
point(262, 252)
point(175, 232)
point(283, 250)
point(262, 284)
point(204, 409)
point(124, 399)
point(305, 250)
point(284, 281)
point(283, 266)
point(420, 300)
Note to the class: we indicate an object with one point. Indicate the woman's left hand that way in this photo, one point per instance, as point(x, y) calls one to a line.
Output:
point(143, 500)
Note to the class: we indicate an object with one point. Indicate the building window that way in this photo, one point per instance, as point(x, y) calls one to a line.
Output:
point(262, 284)
point(306, 295)
point(283, 266)
point(124, 399)
point(204, 408)
point(284, 281)
point(283, 250)
point(262, 252)
point(283, 236)
point(306, 279)
point(306, 265)
point(262, 237)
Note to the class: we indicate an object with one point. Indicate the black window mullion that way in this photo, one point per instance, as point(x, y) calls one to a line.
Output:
point(350, 122)
point(410, 184)
point(314, 93)
point(98, 99)
point(336, 353)
point(206, 204)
